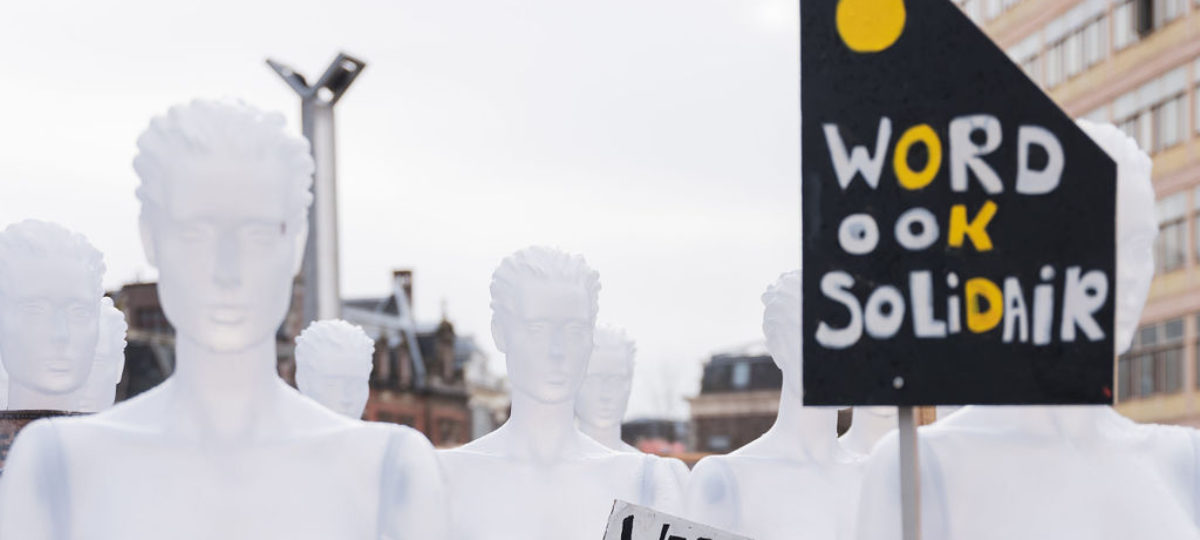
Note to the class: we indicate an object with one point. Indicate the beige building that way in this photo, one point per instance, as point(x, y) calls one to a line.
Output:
point(1135, 63)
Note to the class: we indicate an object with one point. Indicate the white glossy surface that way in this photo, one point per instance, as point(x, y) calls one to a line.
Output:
point(794, 481)
point(333, 366)
point(867, 426)
point(1054, 472)
point(538, 476)
point(223, 448)
point(604, 395)
point(100, 390)
point(50, 290)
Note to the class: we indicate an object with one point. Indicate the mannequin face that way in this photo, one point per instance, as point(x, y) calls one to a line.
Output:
point(49, 323)
point(547, 340)
point(604, 395)
point(225, 254)
point(100, 390)
point(343, 392)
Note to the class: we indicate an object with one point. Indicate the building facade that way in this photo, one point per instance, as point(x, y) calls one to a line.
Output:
point(1136, 64)
point(738, 401)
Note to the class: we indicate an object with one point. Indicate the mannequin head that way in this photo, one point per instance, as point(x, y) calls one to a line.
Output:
point(224, 193)
point(1137, 226)
point(781, 326)
point(543, 317)
point(604, 395)
point(100, 390)
point(50, 289)
point(333, 365)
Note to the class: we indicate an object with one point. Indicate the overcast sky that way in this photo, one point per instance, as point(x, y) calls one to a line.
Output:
point(659, 138)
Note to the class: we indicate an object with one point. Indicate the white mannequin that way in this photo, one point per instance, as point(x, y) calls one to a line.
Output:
point(538, 476)
point(604, 395)
point(50, 294)
point(795, 480)
point(991, 472)
point(333, 366)
point(100, 391)
point(867, 426)
point(223, 448)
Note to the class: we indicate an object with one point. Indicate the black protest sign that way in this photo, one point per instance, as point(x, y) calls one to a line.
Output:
point(958, 228)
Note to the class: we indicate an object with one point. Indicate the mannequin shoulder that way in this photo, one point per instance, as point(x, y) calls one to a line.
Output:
point(713, 477)
point(399, 438)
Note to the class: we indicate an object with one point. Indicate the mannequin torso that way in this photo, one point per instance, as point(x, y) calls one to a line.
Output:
point(1039, 464)
point(796, 477)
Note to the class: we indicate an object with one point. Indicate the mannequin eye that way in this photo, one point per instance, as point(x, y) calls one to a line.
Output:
point(79, 311)
point(262, 232)
point(34, 307)
point(192, 231)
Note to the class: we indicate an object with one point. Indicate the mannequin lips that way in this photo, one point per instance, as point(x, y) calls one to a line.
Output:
point(227, 314)
point(61, 366)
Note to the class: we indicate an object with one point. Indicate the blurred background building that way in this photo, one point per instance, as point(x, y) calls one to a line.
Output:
point(1136, 64)
point(738, 400)
point(441, 387)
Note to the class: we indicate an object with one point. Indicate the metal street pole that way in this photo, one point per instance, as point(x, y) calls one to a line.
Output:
point(319, 273)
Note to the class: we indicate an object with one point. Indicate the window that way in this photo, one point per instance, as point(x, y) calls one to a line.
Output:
point(1032, 67)
point(1172, 226)
point(741, 375)
point(1124, 25)
point(1154, 364)
point(1168, 119)
point(1165, 11)
point(1054, 65)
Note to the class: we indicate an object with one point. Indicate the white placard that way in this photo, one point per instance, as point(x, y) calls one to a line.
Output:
point(632, 522)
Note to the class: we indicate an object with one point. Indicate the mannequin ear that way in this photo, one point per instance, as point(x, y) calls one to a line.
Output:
point(301, 239)
point(498, 336)
point(147, 239)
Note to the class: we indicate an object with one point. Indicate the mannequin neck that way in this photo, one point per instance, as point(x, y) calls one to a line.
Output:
point(609, 436)
point(225, 394)
point(24, 398)
point(868, 425)
point(803, 433)
point(541, 431)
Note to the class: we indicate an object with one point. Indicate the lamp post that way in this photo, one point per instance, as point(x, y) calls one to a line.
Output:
point(319, 273)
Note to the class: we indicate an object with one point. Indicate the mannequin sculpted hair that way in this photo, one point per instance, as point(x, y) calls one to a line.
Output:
point(542, 264)
point(226, 130)
point(33, 238)
point(781, 327)
point(334, 340)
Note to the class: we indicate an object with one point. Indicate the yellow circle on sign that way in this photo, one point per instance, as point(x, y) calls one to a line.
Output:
point(868, 26)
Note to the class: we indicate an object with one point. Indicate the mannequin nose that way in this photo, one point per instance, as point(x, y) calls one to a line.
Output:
point(60, 332)
point(227, 266)
point(556, 346)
